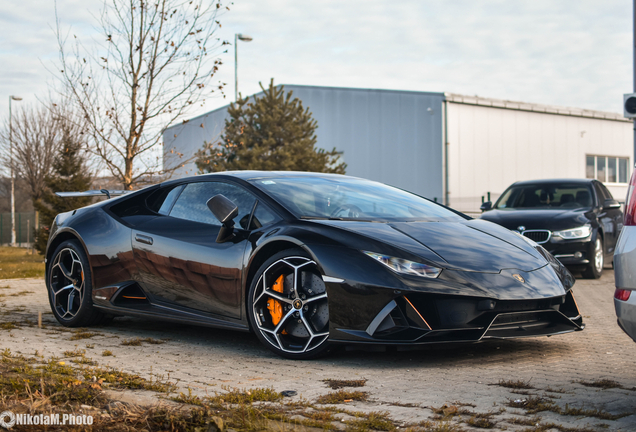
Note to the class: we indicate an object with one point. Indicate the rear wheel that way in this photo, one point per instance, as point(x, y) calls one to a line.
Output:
point(594, 269)
point(70, 288)
point(287, 306)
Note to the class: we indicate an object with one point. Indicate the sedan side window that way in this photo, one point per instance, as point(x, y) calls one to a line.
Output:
point(608, 194)
point(600, 193)
point(192, 203)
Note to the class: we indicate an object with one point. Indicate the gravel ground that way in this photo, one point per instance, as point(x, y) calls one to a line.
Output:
point(408, 385)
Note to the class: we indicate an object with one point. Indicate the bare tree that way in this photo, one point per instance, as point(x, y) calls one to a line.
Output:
point(155, 61)
point(36, 138)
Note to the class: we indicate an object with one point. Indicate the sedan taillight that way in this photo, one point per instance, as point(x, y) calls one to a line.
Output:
point(621, 294)
point(629, 218)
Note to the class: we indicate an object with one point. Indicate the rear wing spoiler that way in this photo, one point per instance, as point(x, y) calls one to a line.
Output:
point(88, 193)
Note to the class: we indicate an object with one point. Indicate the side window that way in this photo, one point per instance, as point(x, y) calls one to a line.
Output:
point(608, 194)
point(167, 204)
point(263, 216)
point(192, 203)
point(161, 200)
point(599, 193)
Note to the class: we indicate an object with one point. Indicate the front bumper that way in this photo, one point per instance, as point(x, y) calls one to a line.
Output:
point(417, 319)
point(370, 304)
point(571, 253)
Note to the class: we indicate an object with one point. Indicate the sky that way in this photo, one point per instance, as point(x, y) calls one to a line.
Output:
point(574, 53)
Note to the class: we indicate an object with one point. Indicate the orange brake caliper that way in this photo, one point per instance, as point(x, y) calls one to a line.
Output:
point(274, 306)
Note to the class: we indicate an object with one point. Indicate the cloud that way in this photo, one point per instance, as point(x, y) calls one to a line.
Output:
point(573, 53)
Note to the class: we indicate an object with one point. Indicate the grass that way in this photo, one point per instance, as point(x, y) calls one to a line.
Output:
point(337, 384)
point(39, 385)
point(342, 396)
point(448, 410)
point(8, 326)
point(82, 334)
point(17, 263)
point(75, 353)
point(604, 384)
point(84, 361)
point(518, 385)
point(138, 341)
point(28, 386)
point(481, 422)
point(377, 421)
point(536, 404)
point(236, 396)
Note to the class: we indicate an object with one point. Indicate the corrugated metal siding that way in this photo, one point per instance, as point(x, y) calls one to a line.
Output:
point(491, 148)
point(188, 138)
point(390, 136)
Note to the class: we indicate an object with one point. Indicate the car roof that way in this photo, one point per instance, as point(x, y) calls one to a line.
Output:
point(554, 181)
point(254, 175)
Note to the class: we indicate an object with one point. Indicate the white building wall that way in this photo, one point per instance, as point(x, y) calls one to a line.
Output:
point(493, 144)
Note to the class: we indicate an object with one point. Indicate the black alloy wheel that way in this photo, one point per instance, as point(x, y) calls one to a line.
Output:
point(68, 280)
point(288, 308)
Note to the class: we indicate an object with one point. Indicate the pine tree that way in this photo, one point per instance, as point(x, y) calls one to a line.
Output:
point(69, 174)
point(273, 132)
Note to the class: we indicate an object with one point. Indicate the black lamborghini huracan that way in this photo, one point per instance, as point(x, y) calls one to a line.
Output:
point(305, 261)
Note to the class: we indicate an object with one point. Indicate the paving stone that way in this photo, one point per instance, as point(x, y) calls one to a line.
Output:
point(206, 359)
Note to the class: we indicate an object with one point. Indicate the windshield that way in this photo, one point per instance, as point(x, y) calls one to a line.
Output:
point(546, 195)
point(350, 199)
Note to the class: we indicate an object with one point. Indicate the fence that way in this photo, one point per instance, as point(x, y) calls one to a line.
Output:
point(25, 224)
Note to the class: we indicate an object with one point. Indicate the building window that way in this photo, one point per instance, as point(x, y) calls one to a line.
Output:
point(607, 169)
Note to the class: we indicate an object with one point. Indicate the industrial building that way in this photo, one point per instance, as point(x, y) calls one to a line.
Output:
point(448, 147)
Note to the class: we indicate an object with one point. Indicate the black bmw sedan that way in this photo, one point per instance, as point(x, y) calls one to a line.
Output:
point(576, 220)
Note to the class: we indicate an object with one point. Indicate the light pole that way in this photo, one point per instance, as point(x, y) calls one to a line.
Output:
point(244, 38)
point(13, 239)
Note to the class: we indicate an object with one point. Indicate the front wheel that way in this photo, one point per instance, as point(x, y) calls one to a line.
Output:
point(594, 270)
point(287, 306)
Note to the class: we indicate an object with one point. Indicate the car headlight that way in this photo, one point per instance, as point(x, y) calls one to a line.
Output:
point(403, 266)
point(574, 233)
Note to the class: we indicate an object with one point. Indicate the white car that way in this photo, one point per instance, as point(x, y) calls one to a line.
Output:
point(625, 266)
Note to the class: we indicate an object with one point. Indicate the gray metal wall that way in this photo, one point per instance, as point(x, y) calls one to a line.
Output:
point(394, 137)
point(188, 138)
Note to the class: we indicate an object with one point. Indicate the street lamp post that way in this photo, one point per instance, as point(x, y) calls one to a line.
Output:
point(13, 239)
point(244, 38)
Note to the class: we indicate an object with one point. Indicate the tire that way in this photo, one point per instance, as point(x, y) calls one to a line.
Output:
point(69, 284)
point(295, 323)
point(594, 270)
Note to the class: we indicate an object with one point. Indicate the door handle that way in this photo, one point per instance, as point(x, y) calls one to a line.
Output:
point(143, 239)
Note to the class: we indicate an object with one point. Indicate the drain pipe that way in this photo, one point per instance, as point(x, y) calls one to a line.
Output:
point(446, 144)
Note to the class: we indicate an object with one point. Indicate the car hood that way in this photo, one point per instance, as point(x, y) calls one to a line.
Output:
point(473, 245)
point(538, 219)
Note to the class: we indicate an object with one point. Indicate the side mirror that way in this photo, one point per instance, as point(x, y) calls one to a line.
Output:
point(486, 206)
point(611, 204)
point(225, 211)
